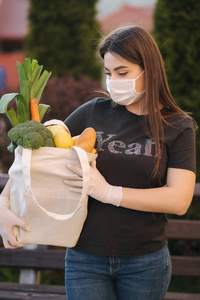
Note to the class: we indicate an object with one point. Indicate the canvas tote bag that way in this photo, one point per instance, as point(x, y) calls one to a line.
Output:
point(39, 196)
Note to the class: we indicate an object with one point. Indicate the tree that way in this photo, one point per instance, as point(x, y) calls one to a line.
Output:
point(178, 37)
point(63, 36)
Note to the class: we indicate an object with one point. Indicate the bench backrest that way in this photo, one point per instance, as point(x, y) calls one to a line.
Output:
point(184, 230)
point(43, 258)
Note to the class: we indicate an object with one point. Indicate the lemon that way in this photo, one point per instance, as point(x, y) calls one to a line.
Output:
point(63, 139)
point(56, 128)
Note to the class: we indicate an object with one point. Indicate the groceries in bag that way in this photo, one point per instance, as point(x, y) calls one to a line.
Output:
point(38, 194)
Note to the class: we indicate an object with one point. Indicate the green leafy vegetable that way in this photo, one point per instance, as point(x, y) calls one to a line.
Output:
point(32, 83)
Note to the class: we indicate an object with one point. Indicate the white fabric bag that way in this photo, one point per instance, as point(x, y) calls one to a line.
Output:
point(40, 197)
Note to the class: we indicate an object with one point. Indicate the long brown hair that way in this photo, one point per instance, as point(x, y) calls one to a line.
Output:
point(137, 46)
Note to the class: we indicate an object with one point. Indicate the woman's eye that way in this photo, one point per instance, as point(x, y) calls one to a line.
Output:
point(123, 74)
point(107, 74)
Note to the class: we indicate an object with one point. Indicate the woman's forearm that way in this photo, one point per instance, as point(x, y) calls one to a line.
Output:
point(164, 199)
point(175, 198)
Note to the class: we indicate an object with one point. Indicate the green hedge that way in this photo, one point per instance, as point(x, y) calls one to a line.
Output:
point(178, 37)
point(63, 36)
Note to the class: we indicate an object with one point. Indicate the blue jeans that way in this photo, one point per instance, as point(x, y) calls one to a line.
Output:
point(95, 277)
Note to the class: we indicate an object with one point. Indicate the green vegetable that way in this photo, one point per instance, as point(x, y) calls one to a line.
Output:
point(30, 134)
point(32, 84)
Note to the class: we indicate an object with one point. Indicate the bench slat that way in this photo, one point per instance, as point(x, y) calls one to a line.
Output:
point(181, 296)
point(36, 259)
point(185, 266)
point(54, 259)
point(183, 229)
point(26, 291)
point(10, 290)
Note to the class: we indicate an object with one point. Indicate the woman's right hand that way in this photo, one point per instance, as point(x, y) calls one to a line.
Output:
point(7, 221)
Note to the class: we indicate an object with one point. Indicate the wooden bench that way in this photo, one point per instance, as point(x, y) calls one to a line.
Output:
point(45, 258)
point(184, 266)
point(39, 259)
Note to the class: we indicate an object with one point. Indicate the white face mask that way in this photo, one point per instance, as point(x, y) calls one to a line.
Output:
point(123, 91)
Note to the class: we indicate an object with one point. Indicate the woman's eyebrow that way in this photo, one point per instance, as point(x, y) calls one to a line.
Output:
point(117, 68)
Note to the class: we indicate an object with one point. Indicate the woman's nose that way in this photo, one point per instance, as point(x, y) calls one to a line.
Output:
point(113, 77)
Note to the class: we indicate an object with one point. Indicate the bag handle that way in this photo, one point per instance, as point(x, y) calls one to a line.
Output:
point(26, 162)
point(56, 122)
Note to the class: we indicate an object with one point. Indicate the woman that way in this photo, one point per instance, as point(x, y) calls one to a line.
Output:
point(145, 168)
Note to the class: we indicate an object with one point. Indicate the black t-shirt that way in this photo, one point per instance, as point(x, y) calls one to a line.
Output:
point(126, 157)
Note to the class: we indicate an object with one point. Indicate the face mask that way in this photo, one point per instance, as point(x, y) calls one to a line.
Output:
point(123, 91)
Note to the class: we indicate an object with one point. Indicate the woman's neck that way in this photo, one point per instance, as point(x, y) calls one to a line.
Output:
point(139, 109)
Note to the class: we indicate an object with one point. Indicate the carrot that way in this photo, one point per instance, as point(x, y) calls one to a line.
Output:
point(34, 110)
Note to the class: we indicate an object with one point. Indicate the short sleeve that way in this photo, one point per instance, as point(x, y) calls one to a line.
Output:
point(77, 120)
point(182, 152)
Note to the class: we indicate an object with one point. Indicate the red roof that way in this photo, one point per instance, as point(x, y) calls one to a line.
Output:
point(14, 26)
point(13, 19)
point(142, 16)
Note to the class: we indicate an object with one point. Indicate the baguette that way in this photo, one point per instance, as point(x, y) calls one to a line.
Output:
point(86, 140)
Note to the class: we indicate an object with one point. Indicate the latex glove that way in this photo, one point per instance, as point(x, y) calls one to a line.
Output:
point(98, 188)
point(7, 221)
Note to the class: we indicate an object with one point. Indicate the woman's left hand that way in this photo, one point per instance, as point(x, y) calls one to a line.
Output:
point(98, 188)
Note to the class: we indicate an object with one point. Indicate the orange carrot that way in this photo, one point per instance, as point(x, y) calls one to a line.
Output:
point(34, 110)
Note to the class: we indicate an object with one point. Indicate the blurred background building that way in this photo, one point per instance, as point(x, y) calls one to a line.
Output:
point(14, 27)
